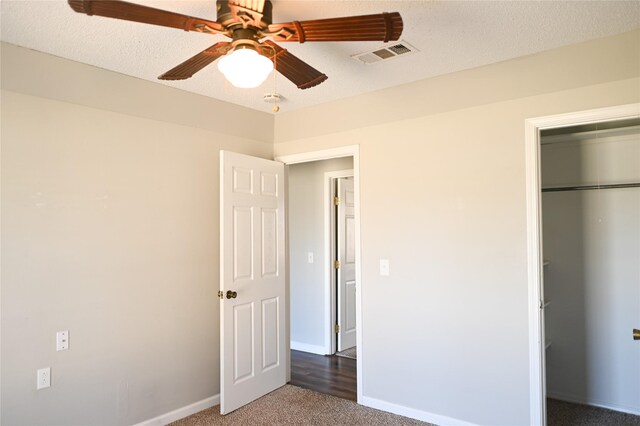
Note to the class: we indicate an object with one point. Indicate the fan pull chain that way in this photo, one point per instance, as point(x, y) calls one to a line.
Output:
point(276, 107)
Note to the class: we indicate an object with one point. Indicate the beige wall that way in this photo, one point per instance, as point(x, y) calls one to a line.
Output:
point(443, 198)
point(109, 230)
point(33, 73)
point(585, 64)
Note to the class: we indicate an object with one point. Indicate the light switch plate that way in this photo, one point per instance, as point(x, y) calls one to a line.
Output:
point(384, 267)
point(310, 257)
point(62, 340)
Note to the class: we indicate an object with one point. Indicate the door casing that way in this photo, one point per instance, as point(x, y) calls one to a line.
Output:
point(533, 126)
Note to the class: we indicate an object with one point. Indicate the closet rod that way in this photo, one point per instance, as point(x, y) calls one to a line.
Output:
point(590, 187)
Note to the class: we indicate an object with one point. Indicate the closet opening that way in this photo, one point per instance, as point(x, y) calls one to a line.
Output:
point(590, 294)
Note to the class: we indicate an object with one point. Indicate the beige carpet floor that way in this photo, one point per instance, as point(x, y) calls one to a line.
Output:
point(561, 413)
point(291, 405)
point(348, 353)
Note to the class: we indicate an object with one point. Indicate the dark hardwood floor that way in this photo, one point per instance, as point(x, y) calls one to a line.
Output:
point(332, 375)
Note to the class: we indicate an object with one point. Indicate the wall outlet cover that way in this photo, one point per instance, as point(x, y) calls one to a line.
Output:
point(384, 267)
point(43, 378)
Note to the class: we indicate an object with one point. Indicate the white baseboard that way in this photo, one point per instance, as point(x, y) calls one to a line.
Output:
point(593, 402)
point(413, 413)
point(305, 347)
point(183, 412)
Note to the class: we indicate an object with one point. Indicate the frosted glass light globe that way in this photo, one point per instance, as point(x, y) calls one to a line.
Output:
point(245, 68)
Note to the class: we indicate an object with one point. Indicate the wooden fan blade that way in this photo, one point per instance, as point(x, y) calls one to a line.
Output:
point(192, 65)
point(383, 27)
point(147, 15)
point(291, 67)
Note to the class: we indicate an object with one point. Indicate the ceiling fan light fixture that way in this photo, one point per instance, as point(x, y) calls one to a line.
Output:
point(245, 61)
point(245, 68)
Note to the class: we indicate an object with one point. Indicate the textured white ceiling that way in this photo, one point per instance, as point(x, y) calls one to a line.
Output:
point(450, 35)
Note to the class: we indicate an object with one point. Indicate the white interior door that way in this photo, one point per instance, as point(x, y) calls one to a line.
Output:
point(346, 242)
point(252, 264)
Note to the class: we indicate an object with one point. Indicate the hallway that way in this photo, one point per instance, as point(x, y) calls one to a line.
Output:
point(331, 375)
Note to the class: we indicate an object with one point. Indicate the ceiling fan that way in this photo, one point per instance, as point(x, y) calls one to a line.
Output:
point(247, 59)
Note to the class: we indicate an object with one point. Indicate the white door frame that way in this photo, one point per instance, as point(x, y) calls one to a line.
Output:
point(533, 126)
point(327, 154)
point(330, 295)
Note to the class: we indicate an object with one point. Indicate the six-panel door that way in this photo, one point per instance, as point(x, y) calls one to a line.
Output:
point(252, 263)
point(347, 271)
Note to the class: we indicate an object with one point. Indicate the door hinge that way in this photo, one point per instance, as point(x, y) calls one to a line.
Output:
point(336, 264)
point(336, 201)
point(337, 328)
point(220, 294)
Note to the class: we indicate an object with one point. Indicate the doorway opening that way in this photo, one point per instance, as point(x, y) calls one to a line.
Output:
point(583, 204)
point(255, 320)
point(324, 252)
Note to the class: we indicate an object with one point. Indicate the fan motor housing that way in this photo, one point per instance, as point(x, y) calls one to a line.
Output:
point(226, 17)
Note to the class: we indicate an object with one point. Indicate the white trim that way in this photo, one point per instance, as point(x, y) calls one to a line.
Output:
point(183, 412)
point(534, 239)
point(345, 151)
point(593, 403)
point(325, 154)
point(537, 384)
point(413, 413)
point(329, 255)
point(305, 347)
point(287, 278)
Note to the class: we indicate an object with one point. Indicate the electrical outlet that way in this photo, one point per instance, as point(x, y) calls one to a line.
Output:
point(62, 340)
point(384, 267)
point(44, 378)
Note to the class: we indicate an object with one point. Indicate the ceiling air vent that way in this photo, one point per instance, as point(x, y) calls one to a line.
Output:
point(401, 48)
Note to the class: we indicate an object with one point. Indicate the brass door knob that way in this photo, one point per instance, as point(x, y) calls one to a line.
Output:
point(636, 334)
point(231, 294)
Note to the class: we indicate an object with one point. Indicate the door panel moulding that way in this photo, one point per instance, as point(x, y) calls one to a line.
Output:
point(331, 244)
point(252, 251)
point(533, 127)
point(330, 253)
point(327, 154)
